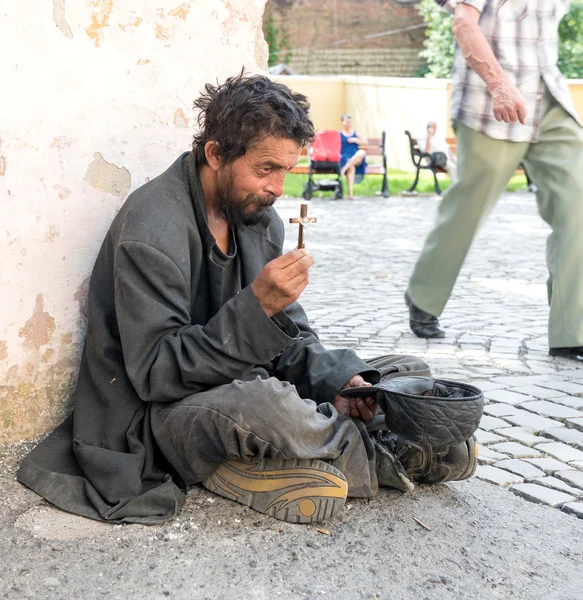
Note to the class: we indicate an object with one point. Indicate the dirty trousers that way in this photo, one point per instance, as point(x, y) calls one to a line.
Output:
point(263, 417)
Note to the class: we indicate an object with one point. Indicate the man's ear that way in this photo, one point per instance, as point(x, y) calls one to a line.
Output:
point(211, 152)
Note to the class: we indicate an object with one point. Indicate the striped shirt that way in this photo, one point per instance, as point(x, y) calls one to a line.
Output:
point(523, 35)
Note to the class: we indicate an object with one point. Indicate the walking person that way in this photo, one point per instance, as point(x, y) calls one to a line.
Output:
point(510, 105)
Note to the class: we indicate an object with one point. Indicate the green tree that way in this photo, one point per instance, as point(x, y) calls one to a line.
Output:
point(571, 42)
point(439, 43)
point(277, 42)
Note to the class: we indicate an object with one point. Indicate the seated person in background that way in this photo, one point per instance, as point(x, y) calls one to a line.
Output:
point(352, 158)
point(441, 154)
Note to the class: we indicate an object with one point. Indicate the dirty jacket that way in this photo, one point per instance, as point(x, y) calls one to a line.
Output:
point(156, 333)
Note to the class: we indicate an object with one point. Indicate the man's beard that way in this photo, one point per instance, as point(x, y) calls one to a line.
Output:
point(235, 213)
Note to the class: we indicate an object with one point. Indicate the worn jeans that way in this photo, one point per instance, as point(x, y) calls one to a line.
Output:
point(263, 417)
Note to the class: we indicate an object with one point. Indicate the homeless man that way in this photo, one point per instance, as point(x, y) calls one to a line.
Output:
point(199, 365)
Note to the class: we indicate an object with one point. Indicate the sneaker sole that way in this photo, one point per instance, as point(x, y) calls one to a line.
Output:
point(293, 490)
point(472, 444)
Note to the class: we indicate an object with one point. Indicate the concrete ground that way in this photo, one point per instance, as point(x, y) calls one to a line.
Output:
point(513, 531)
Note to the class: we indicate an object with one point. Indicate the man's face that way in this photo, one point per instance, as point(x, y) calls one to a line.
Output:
point(252, 182)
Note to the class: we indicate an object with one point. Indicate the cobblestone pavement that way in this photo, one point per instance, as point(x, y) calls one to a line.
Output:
point(531, 435)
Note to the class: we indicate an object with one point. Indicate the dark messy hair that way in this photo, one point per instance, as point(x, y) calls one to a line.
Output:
point(245, 109)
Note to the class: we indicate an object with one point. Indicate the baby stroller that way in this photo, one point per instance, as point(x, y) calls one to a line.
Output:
point(324, 156)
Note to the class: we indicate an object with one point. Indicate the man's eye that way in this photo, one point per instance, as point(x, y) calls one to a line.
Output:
point(265, 170)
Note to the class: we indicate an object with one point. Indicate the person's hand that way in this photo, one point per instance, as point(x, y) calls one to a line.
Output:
point(364, 408)
point(353, 140)
point(508, 103)
point(282, 281)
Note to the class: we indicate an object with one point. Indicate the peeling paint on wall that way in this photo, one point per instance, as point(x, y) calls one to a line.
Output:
point(38, 329)
point(49, 353)
point(64, 192)
point(26, 403)
point(135, 23)
point(59, 18)
point(180, 119)
point(99, 20)
point(2, 161)
point(93, 57)
point(181, 11)
point(52, 233)
point(12, 373)
point(162, 33)
point(80, 296)
point(107, 177)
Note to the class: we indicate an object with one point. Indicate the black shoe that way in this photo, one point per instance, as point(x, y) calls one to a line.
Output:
point(423, 324)
point(424, 464)
point(574, 353)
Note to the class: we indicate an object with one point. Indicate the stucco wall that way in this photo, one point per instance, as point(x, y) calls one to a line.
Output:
point(96, 99)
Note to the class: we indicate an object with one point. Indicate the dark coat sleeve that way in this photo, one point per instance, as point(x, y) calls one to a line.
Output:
point(317, 373)
point(166, 356)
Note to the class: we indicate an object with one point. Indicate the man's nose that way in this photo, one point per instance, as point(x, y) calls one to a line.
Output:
point(275, 184)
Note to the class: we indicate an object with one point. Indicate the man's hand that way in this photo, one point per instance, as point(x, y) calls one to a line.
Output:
point(282, 281)
point(364, 408)
point(508, 103)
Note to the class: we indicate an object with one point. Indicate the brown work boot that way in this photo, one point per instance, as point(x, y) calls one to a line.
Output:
point(424, 464)
point(293, 490)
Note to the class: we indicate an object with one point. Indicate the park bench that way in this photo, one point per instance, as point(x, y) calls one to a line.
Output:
point(422, 160)
point(373, 147)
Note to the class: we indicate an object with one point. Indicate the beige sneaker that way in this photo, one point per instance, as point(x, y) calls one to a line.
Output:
point(293, 490)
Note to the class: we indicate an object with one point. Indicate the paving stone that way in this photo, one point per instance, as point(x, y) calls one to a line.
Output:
point(488, 457)
point(575, 423)
point(485, 385)
point(572, 401)
point(489, 423)
point(557, 484)
point(541, 494)
point(550, 466)
point(487, 437)
point(560, 451)
point(573, 508)
point(537, 391)
point(500, 409)
point(522, 435)
point(575, 373)
point(522, 468)
point(515, 381)
point(515, 450)
point(497, 476)
point(550, 409)
point(531, 421)
point(563, 434)
point(575, 389)
point(571, 476)
point(507, 397)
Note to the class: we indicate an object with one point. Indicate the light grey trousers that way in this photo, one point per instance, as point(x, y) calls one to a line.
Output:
point(263, 417)
point(555, 164)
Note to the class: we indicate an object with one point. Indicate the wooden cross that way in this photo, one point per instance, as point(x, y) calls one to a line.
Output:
point(303, 220)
